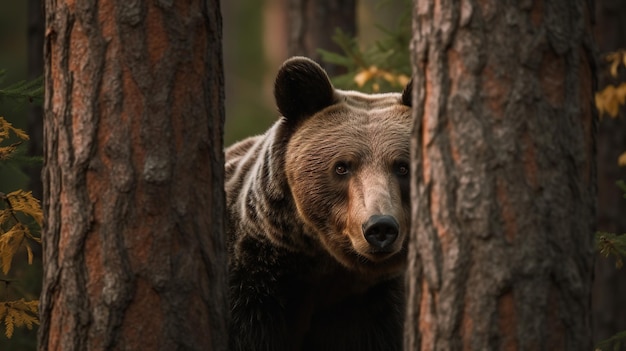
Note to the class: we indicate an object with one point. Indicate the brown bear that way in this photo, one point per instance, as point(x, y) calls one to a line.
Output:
point(318, 219)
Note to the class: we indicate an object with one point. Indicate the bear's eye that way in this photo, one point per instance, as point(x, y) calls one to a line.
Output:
point(402, 169)
point(341, 168)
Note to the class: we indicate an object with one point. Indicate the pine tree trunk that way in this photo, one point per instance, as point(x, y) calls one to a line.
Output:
point(312, 24)
point(609, 287)
point(503, 188)
point(134, 255)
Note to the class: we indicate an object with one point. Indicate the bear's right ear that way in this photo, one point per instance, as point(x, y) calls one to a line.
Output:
point(302, 88)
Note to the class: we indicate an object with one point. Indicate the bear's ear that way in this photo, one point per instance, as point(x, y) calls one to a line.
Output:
point(407, 94)
point(302, 88)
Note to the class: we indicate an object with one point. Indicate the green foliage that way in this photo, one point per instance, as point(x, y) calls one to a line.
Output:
point(23, 91)
point(610, 244)
point(383, 66)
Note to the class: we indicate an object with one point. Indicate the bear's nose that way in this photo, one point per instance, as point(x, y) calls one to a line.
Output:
point(381, 231)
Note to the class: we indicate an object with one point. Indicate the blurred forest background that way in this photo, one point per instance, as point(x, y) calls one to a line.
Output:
point(255, 44)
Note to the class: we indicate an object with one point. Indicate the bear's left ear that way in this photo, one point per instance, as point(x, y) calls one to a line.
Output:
point(302, 88)
point(407, 94)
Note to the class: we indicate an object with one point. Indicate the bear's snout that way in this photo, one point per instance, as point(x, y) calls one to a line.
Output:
point(381, 232)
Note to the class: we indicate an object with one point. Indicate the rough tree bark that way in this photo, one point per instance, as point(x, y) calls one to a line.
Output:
point(134, 255)
point(312, 23)
point(503, 181)
point(609, 287)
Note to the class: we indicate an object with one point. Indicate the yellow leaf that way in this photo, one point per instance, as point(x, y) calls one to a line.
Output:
point(365, 75)
point(5, 214)
point(9, 244)
point(25, 202)
point(607, 100)
point(33, 306)
point(6, 152)
point(5, 127)
point(620, 93)
point(614, 59)
point(19, 314)
point(9, 323)
point(389, 77)
point(621, 160)
point(599, 99)
point(614, 66)
point(362, 77)
point(30, 254)
point(23, 313)
point(20, 133)
point(403, 79)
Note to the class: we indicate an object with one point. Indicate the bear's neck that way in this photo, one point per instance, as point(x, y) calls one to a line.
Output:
point(259, 197)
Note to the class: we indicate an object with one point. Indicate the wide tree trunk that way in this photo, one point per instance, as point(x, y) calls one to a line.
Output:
point(134, 249)
point(503, 183)
point(312, 24)
point(609, 287)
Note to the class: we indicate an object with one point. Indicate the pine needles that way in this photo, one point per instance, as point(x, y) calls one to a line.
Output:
point(20, 313)
point(20, 217)
point(23, 91)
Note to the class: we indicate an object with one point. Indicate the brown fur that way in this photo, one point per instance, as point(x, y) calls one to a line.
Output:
point(303, 276)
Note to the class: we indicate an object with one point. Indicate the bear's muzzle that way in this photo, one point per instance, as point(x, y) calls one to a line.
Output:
point(381, 232)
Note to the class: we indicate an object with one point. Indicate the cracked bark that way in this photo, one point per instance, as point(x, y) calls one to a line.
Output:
point(134, 255)
point(503, 182)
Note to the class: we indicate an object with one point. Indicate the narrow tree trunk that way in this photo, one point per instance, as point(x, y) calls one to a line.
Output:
point(501, 251)
point(312, 24)
point(609, 287)
point(134, 255)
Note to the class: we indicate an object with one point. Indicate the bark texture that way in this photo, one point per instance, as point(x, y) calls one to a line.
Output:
point(503, 182)
point(312, 24)
point(134, 255)
point(609, 287)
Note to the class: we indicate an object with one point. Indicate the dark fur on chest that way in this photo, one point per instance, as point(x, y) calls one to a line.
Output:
point(292, 301)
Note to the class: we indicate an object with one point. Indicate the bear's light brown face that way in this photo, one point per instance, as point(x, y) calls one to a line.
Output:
point(348, 169)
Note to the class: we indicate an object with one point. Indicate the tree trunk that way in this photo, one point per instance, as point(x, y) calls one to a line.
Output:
point(609, 287)
point(134, 248)
point(503, 184)
point(312, 24)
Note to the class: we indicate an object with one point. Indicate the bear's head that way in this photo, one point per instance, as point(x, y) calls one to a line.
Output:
point(347, 166)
